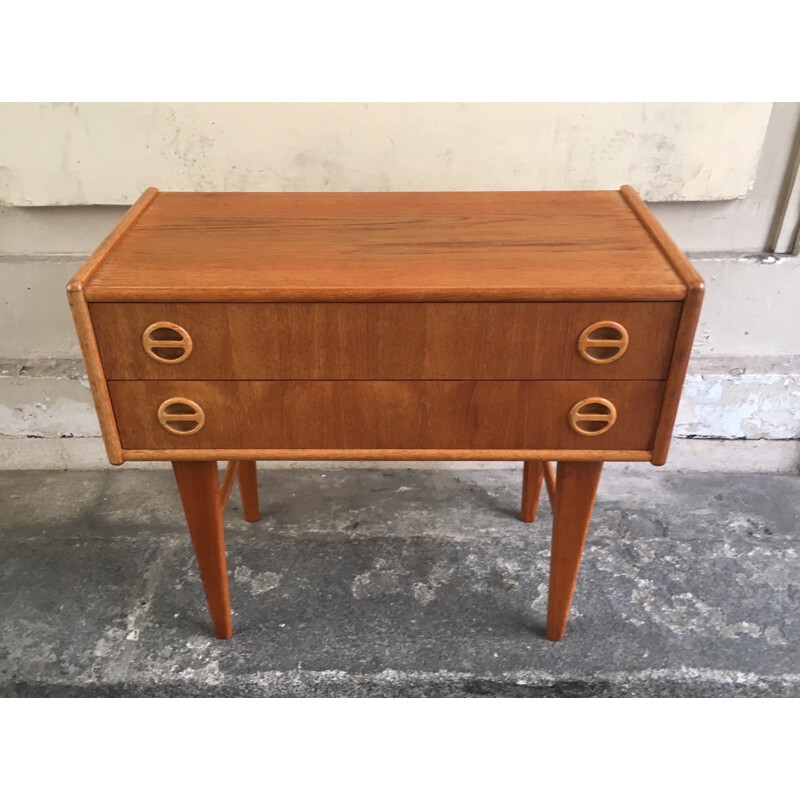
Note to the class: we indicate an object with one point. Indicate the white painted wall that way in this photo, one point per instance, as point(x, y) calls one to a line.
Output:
point(744, 378)
point(76, 153)
point(751, 307)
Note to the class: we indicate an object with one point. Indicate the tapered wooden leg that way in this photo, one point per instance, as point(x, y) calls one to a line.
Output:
point(199, 487)
point(576, 487)
point(549, 482)
point(532, 477)
point(248, 488)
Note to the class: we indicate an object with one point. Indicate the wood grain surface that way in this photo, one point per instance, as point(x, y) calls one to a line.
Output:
point(248, 488)
point(85, 330)
point(387, 326)
point(389, 246)
point(576, 488)
point(199, 487)
point(385, 341)
point(532, 478)
point(429, 454)
point(690, 316)
point(386, 414)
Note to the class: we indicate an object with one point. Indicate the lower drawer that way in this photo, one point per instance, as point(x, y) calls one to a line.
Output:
point(310, 415)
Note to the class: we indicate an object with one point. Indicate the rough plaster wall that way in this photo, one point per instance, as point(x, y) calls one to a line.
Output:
point(744, 225)
point(744, 378)
point(54, 402)
point(718, 402)
point(735, 405)
point(750, 307)
point(743, 381)
point(68, 153)
point(35, 320)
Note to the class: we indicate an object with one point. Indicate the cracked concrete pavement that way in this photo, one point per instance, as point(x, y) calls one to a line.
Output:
point(399, 582)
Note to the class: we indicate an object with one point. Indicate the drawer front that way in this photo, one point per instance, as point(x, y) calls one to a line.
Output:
point(278, 415)
point(385, 341)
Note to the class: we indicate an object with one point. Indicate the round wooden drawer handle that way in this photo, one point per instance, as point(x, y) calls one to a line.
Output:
point(603, 342)
point(181, 415)
point(592, 416)
point(167, 343)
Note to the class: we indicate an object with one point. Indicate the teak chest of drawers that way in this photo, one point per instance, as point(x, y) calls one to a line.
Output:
point(539, 326)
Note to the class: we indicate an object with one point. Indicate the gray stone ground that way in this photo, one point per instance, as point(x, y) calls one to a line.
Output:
point(394, 582)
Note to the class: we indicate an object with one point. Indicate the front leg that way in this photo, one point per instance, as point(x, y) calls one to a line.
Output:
point(575, 490)
point(199, 487)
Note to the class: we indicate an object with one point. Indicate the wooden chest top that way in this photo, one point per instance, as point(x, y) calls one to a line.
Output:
point(530, 326)
point(398, 246)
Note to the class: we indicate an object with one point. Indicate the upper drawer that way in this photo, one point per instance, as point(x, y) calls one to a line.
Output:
point(382, 341)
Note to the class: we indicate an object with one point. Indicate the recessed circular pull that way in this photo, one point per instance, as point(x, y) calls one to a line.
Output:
point(167, 343)
point(603, 342)
point(592, 416)
point(181, 415)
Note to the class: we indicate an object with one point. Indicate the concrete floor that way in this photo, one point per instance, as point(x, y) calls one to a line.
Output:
point(395, 582)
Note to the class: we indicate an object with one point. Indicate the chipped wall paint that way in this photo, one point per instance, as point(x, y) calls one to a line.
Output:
point(740, 407)
point(743, 381)
point(47, 420)
point(56, 407)
point(107, 153)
